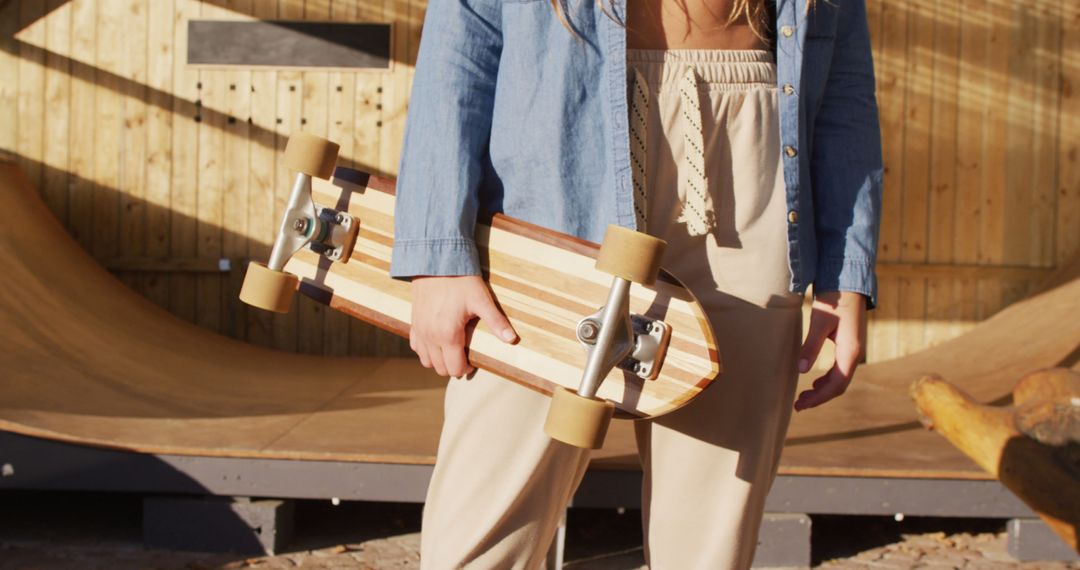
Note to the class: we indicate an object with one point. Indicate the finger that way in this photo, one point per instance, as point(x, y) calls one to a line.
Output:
point(495, 320)
point(848, 347)
point(454, 358)
point(422, 353)
point(815, 339)
point(825, 388)
point(435, 354)
point(829, 386)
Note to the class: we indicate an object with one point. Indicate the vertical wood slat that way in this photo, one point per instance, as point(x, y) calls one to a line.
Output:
point(81, 138)
point(995, 150)
point(210, 196)
point(1047, 78)
point(261, 204)
point(237, 189)
point(918, 79)
point(366, 142)
point(185, 163)
point(31, 86)
point(289, 111)
point(9, 79)
point(314, 118)
point(108, 133)
point(1067, 240)
point(340, 128)
point(884, 336)
point(409, 14)
point(132, 79)
point(1019, 201)
point(942, 298)
point(57, 112)
point(973, 91)
point(1017, 113)
point(160, 51)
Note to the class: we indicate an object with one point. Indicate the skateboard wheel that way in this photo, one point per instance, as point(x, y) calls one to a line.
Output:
point(312, 155)
point(631, 255)
point(268, 289)
point(578, 421)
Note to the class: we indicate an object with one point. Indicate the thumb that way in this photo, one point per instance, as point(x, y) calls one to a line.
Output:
point(815, 339)
point(494, 318)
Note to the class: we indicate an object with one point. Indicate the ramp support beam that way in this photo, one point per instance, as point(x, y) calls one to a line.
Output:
point(217, 524)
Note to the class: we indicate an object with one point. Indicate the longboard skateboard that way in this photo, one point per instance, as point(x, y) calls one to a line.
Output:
point(650, 355)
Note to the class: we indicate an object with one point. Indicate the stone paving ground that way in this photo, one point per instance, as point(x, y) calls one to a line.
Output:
point(54, 531)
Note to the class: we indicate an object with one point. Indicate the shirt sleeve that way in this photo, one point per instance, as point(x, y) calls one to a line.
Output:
point(846, 166)
point(447, 129)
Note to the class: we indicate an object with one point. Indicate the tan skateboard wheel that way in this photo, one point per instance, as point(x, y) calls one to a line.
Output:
point(632, 255)
point(578, 421)
point(268, 289)
point(312, 155)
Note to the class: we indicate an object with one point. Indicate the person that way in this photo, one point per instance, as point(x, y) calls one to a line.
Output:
point(742, 132)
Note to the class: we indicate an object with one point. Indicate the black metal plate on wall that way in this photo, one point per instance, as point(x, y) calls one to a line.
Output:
point(288, 43)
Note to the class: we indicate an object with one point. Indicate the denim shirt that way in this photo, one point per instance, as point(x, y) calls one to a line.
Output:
point(511, 113)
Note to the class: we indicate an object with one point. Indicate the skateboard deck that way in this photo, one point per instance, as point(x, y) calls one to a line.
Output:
point(544, 281)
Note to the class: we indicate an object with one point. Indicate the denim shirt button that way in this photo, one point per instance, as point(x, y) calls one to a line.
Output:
point(788, 89)
point(790, 151)
point(792, 216)
point(787, 31)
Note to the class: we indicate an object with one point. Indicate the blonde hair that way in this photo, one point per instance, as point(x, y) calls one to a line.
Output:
point(759, 14)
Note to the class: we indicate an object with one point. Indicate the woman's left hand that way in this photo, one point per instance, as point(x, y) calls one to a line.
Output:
point(837, 316)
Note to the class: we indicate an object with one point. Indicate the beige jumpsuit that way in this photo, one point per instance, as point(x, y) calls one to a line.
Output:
point(500, 485)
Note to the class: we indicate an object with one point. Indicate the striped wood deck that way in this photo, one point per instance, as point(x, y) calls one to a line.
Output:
point(544, 281)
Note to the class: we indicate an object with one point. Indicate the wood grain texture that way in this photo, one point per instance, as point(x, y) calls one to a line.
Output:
point(314, 118)
point(185, 181)
point(545, 284)
point(150, 382)
point(9, 79)
point(30, 139)
point(262, 203)
point(57, 100)
point(81, 158)
point(237, 185)
point(159, 140)
point(996, 439)
point(981, 127)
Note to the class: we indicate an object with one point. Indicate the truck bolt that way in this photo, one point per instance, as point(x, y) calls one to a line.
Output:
point(588, 331)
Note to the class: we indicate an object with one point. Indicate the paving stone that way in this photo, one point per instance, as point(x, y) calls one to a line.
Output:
point(889, 565)
point(902, 557)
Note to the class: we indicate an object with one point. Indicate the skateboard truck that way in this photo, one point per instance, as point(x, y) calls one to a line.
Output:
point(612, 337)
point(647, 339)
point(326, 231)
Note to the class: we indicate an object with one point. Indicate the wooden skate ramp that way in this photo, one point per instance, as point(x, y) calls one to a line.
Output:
point(873, 429)
point(83, 359)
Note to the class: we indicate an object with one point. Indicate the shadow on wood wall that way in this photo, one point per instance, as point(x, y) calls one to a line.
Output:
point(149, 161)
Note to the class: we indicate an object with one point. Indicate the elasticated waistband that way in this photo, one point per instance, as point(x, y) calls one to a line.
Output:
point(714, 67)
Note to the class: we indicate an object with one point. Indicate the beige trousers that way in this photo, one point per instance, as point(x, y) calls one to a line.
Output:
point(500, 485)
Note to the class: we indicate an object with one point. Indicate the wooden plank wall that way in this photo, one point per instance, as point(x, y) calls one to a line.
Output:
point(160, 170)
point(979, 122)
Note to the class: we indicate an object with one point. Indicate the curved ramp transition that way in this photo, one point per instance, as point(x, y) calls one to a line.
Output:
point(85, 360)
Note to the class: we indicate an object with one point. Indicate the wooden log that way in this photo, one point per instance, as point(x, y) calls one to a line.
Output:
point(1031, 470)
point(1050, 384)
point(1048, 410)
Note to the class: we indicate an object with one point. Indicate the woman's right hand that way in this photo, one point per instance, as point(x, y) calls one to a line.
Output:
point(441, 308)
